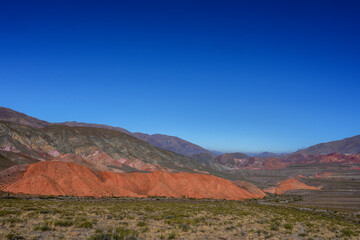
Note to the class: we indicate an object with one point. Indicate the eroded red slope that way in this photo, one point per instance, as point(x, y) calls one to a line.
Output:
point(290, 184)
point(59, 178)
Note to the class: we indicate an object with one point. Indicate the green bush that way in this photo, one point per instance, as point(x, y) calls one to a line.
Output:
point(125, 233)
point(347, 232)
point(84, 223)
point(288, 226)
point(141, 224)
point(42, 227)
point(172, 235)
point(14, 236)
point(63, 223)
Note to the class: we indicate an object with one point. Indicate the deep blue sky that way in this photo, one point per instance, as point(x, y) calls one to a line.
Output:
point(227, 75)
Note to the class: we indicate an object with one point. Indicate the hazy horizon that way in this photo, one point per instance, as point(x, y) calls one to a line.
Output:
point(232, 76)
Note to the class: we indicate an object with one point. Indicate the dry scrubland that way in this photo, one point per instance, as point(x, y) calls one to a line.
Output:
point(158, 218)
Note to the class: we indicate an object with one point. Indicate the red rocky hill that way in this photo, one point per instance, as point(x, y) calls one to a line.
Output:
point(60, 178)
point(290, 184)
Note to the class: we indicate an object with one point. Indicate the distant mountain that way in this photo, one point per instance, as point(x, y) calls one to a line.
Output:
point(347, 145)
point(166, 142)
point(237, 161)
point(170, 143)
point(217, 153)
point(234, 160)
point(339, 158)
point(260, 154)
point(10, 115)
point(266, 154)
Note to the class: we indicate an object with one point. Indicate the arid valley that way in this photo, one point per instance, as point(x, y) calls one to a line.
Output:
point(96, 182)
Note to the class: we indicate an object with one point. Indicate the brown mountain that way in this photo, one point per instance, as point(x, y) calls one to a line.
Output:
point(166, 142)
point(97, 148)
point(347, 145)
point(234, 160)
point(170, 143)
point(338, 158)
point(10, 115)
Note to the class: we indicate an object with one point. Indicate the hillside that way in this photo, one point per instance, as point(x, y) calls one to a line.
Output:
point(288, 185)
point(166, 142)
point(59, 178)
point(347, 145)
point(97, 148)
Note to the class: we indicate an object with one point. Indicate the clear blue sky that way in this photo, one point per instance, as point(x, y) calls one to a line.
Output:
point(227, 75)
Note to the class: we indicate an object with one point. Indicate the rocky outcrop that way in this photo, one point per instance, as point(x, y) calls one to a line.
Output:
point(290, 184)
point(59, 178)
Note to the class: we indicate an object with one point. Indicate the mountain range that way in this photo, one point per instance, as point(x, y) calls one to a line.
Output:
point(170, 143)
point(28, 143)
point(346, 145)
point(25, 139)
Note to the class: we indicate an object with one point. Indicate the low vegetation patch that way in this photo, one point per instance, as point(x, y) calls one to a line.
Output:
point(160, 218)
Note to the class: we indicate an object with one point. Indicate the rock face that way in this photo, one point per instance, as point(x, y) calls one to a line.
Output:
point(59, 178)
point(290, 184)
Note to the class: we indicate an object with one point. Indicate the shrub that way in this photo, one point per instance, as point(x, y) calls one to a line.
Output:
point(63, 223)
point(274, 227)
point(288, 226)
point(14, 236)
point(126, 233)
point(141, 224)
point(184, 227)
point(346, 232)
point(172, 235)
point(42, 227)
point(84, 223)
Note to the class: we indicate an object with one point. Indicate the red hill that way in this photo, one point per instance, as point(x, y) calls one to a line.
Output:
point(290, 184)
point(60, 178)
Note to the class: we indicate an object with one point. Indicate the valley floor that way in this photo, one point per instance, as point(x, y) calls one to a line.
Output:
point(160, 218)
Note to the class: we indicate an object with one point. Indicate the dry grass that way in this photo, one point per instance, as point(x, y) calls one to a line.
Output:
point(158, 218)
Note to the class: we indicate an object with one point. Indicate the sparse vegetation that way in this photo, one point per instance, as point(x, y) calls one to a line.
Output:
point(126, 218)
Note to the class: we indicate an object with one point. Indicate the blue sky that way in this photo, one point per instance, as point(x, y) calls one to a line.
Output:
point(228, 75)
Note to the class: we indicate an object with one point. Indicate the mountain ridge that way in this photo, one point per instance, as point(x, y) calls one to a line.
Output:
point(171, 143)
point(346, 145)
